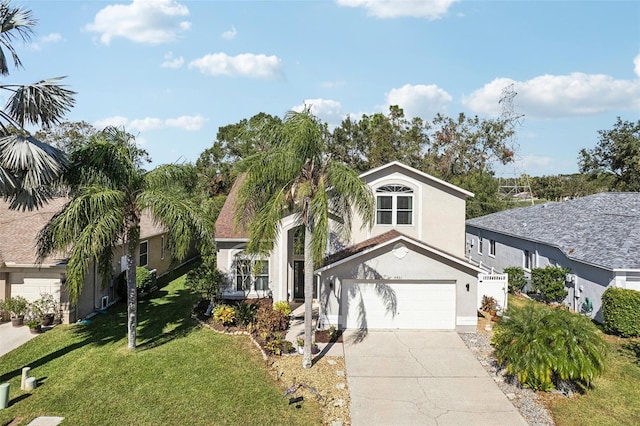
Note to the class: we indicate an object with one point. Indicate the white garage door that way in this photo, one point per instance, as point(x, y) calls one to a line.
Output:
point(422, 306)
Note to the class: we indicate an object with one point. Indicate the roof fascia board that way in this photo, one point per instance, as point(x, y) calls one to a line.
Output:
point(393, 241)
point(419, 173)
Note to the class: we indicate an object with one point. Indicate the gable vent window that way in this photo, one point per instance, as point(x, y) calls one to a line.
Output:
point(394, 205)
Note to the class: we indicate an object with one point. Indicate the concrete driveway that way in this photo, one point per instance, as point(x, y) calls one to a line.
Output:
point(421, 378)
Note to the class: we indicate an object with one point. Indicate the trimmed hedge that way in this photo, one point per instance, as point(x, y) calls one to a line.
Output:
point(621, 311)
point(517, 279)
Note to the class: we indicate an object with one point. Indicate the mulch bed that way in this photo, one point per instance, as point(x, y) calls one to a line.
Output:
point(322, 336)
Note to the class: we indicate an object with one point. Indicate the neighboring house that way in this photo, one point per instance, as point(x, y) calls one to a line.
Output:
point(407, 271)
point(21, 276)
point(596, 237)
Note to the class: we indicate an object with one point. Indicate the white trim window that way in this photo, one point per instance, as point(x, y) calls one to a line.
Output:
point(251, 273)
point(143, 260)
point(480, 245)
point(162, 245)
point(394, 205)
point(492, 248)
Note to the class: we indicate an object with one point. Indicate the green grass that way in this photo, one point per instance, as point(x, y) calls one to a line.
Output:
point(615, 396)
point(180, 373)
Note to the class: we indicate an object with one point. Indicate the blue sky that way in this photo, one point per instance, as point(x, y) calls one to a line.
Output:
point(173, 72)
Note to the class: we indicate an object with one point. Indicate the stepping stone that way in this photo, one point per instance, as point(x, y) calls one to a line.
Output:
point(340, 373)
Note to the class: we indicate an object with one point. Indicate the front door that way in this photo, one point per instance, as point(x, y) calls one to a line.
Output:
point(298, 279)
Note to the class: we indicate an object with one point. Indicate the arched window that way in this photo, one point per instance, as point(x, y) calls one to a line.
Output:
point(394, 205)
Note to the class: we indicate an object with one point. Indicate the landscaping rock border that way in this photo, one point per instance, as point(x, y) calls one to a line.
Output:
point(525, 400)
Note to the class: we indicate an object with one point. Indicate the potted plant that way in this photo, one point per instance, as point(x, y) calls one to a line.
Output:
point(17, 307)
point(45, 307)
point(35, 325)
point(300, 342)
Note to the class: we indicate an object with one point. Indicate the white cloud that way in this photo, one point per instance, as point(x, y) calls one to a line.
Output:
point(47, 39)
point(429, 9)
point(146, 124)
point(327, 110)
point(246, 65)
point(186, 122)
point(554, 96)
point(231, 34)
point(171, 62)
point(117, 121)
point(419, 100)
point(142, 21)
point(636, 63)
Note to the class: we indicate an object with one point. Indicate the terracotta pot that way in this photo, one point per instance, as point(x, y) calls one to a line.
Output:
point(36, 329)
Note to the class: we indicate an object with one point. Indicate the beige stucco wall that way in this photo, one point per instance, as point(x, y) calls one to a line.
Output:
point(382, 265)
point(438, 216)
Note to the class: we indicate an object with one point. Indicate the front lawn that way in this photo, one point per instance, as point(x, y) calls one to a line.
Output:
point(180, 373)
point(615, 397)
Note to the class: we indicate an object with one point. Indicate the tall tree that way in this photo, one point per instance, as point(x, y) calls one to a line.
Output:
point(109, 192)
point(466, 144)
point(617, 153)
point(27, 166)
point(297, 176)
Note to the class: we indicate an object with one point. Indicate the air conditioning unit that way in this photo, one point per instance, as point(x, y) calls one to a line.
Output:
point(105, 302)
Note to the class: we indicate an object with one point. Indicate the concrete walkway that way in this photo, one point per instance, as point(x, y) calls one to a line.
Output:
point(12, 337)
point(421, 378)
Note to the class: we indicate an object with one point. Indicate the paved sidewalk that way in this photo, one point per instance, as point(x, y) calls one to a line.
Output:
point(12, 337)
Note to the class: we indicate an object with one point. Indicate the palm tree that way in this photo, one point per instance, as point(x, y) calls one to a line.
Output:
point(27, 166)
point(297, 176)
point(109, 192)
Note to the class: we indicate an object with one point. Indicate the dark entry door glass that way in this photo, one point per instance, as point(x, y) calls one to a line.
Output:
point(298, 279)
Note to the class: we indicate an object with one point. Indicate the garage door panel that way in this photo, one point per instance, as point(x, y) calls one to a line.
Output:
point(417, 306)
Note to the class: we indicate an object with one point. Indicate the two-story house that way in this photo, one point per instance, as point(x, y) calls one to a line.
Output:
point(408, 271)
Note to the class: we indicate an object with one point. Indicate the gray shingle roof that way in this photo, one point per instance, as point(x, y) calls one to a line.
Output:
point(601, 229)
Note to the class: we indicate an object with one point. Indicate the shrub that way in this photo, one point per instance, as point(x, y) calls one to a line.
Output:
point(549, 282)
point(269, 321)
point(143, 279)
point(282, 306)
point(246, 313)
point(488, 304)
point(543, 345)
point(517, 279)
point(206, 280)
point(277, 345)
point(17, 306)
point(621, 311)
point(224, 314)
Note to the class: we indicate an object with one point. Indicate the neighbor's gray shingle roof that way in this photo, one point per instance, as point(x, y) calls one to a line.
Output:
point(19, 230)
point(601, 229)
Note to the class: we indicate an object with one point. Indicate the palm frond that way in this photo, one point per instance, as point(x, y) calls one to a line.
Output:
point(28, 168)
point(13, 21)
point(44, 102)
point(183, 219)
point(96, 208)
point(105, 163)
point(169, 175)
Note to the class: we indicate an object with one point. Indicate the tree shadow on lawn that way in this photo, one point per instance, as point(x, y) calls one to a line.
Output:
point(634, 349)
point(155, 314)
